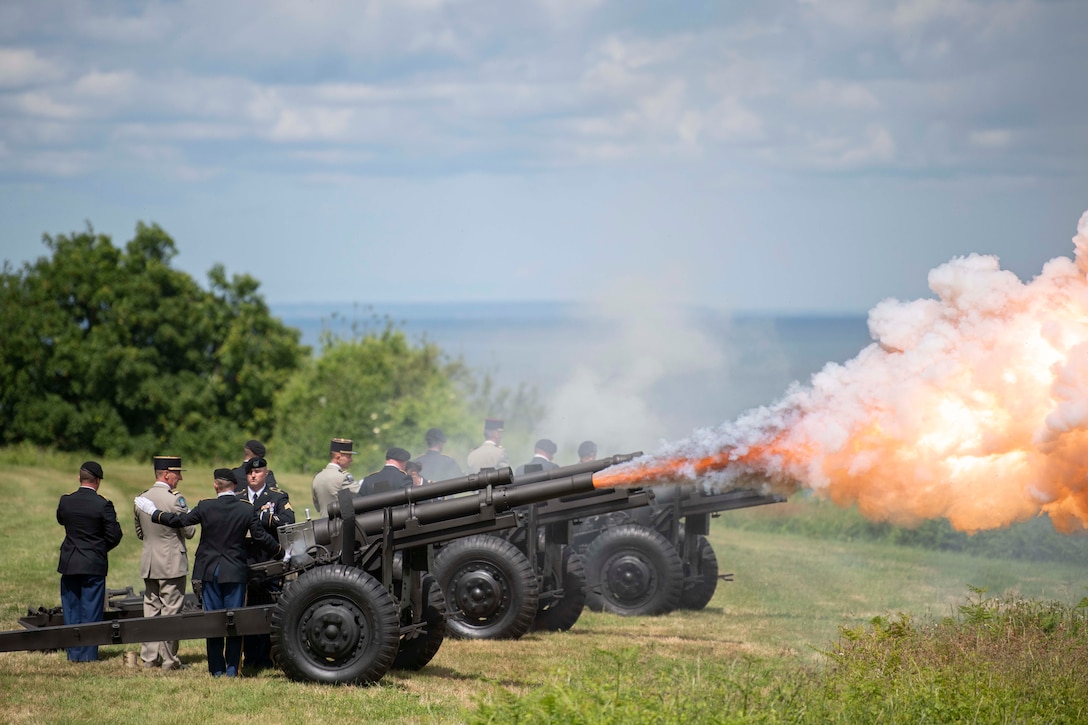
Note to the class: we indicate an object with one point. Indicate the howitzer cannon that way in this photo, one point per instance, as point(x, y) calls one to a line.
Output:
point(655, 559)
point(529, 577)
point(357, 597)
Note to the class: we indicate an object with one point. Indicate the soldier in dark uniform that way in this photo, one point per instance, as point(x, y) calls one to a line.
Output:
point(225, 522)
point(90, 532)
point(252, 449)
point(273, 508)
point(436, 465)
point(542, 457)
point(414, 469)
point(392, 477)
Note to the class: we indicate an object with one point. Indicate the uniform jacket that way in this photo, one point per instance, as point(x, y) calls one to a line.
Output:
point(389, 478)
point(164, 555)
point(544, 463)
point(224, 523)
point(273, 510)
point(438, 466)
point(489, 455)
point(327, 484)
point(90, 531)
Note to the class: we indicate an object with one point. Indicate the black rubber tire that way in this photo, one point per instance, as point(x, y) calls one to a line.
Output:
point(491, 589)
point(415, 653)
point(700, 576)
point(336, 625)
point(562, 615)
point(633, 571)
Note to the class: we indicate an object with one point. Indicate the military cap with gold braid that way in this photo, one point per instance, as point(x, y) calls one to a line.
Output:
point(168, 463)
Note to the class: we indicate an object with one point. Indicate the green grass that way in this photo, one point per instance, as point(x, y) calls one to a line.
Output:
point(814, 629)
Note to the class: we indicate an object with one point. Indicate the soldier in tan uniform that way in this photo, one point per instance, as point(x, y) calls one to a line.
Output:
point(334, 477)
point(490, 453)
point(164, 562)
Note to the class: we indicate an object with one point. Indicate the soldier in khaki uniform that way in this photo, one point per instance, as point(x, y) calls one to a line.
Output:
point(490, 453)
point(165, 562)
point(334, 477)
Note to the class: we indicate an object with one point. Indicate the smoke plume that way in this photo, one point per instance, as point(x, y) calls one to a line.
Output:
point(972, 406)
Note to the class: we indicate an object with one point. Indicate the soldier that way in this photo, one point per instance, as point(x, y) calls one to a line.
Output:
point(544, 451)
point(437, 466)
point(392, 477)
point(587, 451)
point(90, 532)
point(252, 449)
point(415, 470)
point(490, 453)
point(273, 508)
point(334, 477)
point(165, 561)
point(225, 522)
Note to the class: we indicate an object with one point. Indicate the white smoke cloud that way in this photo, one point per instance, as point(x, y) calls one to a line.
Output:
point(611, 395)
point(972, 406)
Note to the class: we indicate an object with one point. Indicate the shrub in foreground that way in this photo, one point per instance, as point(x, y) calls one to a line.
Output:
point(999, 660)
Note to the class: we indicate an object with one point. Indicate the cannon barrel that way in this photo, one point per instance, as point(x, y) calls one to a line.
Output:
point(472, 482)
point(499, 499)
point(432, 490)
point(594, 466)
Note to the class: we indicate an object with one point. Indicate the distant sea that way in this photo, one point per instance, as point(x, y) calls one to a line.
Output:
point(689, 369)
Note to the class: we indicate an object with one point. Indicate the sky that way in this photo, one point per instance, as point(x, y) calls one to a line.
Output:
point(771, 155)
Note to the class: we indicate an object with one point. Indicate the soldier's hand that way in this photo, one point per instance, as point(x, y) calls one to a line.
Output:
point(144, 504)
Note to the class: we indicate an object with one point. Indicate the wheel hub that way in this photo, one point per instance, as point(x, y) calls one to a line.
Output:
point(333, 631)
point(629, 578)
point(479, 593)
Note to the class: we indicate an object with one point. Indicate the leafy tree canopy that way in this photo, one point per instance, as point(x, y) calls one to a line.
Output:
point(379, 389)
point(113, 351)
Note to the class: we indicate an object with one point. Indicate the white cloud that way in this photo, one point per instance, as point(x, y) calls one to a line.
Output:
point(991, 138)
point(21, 67)
point(558, 82)
point(838, 95)
point(43, 104)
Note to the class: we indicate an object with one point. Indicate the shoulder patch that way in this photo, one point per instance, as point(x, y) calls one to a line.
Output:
point(181, 500)
point(287, 506)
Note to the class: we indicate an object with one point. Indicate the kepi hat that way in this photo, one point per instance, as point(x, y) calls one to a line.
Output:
point(168, 463)
point(341, 445)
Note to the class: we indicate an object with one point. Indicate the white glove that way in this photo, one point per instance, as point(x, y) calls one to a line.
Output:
point(144, 504)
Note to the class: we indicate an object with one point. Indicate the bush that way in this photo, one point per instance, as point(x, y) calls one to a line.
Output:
point(1007, 660)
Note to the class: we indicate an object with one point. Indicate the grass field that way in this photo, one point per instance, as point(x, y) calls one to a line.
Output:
point(756, 654)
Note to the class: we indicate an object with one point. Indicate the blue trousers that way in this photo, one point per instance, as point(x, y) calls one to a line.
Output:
point(223, 595)
point(83, 597)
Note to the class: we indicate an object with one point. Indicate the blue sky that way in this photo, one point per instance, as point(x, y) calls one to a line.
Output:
point(804, 156)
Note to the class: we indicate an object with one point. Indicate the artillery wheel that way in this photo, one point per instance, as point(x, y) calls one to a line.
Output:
point(633, 571)
point(415, 653)
point(336, 625)
point(562, 615)
point(490, 587)
point(700, 576)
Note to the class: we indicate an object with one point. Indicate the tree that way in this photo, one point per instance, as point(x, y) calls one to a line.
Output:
point(377, 389)
point(113, 351)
